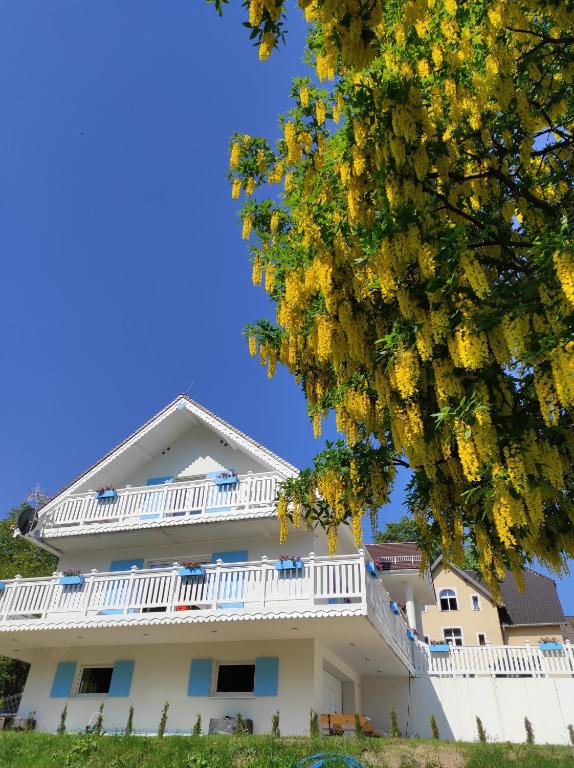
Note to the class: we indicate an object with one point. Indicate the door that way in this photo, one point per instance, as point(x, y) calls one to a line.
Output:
point(332, 694)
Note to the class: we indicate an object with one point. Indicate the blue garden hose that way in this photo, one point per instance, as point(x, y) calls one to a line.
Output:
point(329, 760)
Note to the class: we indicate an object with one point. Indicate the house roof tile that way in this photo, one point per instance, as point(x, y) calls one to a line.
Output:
point(537, 604)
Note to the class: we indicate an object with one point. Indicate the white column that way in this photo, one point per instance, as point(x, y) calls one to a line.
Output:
point(410, 606)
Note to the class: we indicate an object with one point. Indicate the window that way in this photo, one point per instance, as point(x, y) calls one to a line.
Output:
point(95, 679)
point(235, 678)
point(475, 602)
point(481, 637)
point(447, 600)
point(453, 635)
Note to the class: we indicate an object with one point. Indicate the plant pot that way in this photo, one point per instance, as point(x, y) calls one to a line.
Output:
point(186, 573)
point(410, 634)
point(372, 570)
point(289, 565)
point(439, 648)
point(71, 581)
point(2, 586)
point(395, 608)
point(231, 480)
point(553, 646)
point(110, 493)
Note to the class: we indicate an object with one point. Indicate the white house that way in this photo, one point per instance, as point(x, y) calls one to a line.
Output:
point(181, 596)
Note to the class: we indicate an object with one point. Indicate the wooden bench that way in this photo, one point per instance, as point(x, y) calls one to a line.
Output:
point(341, 724)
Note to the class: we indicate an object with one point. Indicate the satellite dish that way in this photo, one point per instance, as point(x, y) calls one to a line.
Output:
point(27, 521)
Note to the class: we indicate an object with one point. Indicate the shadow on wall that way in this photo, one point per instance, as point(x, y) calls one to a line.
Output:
point(414, 705)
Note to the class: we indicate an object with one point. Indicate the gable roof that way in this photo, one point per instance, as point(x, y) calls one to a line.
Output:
point(204, 416)
point(470, 576)
point(538, 604)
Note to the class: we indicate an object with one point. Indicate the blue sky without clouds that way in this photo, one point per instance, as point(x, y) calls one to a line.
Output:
point(124, 278)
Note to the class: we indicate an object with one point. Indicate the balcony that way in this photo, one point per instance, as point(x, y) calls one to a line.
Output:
point(323, 587)
point(192, 501)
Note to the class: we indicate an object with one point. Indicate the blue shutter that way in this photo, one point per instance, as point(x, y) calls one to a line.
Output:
point(159, 480)
point(125, 565)
point(63, 679)
point(266, 676)
point(200, 677)
point(234, 588)
point(240, 556)
point(121, 678)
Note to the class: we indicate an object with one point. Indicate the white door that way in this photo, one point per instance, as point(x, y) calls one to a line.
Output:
point(332, 694)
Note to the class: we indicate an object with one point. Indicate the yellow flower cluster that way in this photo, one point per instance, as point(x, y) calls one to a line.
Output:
point(412, 277)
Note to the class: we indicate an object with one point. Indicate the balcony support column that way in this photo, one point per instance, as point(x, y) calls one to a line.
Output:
point(410, 606)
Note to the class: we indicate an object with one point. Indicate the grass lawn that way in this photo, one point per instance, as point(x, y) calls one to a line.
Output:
point(38, 750)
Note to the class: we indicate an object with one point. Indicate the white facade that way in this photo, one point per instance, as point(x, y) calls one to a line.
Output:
point(135, 630)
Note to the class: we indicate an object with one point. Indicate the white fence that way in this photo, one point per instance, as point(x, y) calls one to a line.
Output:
point(167, 501)
point(494, 661)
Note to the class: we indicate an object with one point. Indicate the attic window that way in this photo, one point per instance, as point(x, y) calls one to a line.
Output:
point(447, 600)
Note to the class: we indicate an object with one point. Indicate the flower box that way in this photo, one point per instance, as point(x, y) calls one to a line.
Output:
point(395, 608)
point(289, 565)
point(71, 581)
point(411, 634)
point(550, 646)
point(372, 570)
point(225, 479)
point(197, 572)
point(108, 493)
point(439, 648)
point(2, 586)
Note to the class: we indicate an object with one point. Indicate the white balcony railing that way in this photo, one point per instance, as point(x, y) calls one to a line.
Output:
point(400, 561)
point(495, 661)
point(192, 498)
point(324, 585)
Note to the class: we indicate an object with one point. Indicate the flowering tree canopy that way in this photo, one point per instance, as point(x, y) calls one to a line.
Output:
point(420, 256)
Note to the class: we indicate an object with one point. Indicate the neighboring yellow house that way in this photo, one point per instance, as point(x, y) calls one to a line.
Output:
point(466, 614)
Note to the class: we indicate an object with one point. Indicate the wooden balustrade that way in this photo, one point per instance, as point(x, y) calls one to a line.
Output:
point(161, 502)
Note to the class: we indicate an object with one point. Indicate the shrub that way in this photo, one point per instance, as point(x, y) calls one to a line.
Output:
point(275, 732)
point(571, 734)
point(197, 726)
point(130, 723)
point(395, 730)
point(62, 725)
point(480, 729)
point(434, 728)
point(313, 723)
point(100, 720)
point(240, 730)
point(358, 729)
point(529, 731)
point(163, 720)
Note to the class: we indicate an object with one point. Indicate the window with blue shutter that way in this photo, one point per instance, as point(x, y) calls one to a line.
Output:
point(63, 680)
point(121, 678)
point(266, 676)
point(200, 677)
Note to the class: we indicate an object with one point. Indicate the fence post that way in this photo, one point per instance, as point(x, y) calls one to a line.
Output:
point(89, 590)
point(217, 581)
point(173, 586)
point(312, 581)
point(265, 571)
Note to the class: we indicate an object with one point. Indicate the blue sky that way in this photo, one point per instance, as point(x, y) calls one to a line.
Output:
point(124, 278)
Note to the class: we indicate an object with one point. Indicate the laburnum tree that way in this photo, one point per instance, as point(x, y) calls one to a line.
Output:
point(420, 255)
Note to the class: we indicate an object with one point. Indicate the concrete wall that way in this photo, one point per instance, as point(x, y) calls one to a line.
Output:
point(501, 703)
point(161, 673)
point(471, 622)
